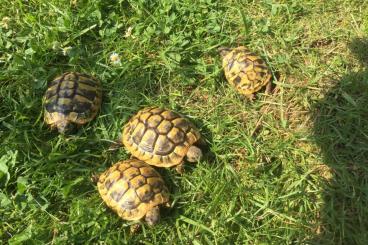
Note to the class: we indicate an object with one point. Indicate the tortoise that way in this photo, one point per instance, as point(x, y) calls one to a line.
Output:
point(134, 190)
point(72, 99)
point(245, 70)
point(162, 138)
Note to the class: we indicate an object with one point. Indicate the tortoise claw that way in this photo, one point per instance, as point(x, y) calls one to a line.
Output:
point(180, 168)
point(135, 228)
point(268, 88)
point(250, 97)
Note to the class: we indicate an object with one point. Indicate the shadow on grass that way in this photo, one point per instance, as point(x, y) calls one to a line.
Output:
point(341, 130)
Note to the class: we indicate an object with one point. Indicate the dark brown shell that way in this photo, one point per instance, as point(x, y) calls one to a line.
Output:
point(72, 97)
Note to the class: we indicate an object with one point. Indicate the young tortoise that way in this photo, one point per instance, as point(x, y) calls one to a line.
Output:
point(162, 138)
point(134, 190)
point(246, 71)
point(72, 99)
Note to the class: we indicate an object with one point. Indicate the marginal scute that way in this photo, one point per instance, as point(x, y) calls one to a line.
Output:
point(138, 164)
point(169, 115)
point(143, 118)
point(182, 124)
point(132, 125)
point(181, 150)
point(237, 80)
point(147, 172)
point(114, 176)
point(122, 167)
point(155, 110)
point(109, 183)
point(191, 137)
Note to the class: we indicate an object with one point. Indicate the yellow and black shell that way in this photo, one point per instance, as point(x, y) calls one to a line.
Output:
point(245, 70)
point(72, 99)
point(160, 137)
point(132, 188)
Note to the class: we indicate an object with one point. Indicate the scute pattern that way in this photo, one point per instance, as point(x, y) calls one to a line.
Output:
point(131, 188)
point(246, 71)
point(73, 97)
point(159, 136)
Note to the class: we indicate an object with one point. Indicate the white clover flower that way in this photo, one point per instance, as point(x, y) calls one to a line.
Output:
point(128, 32)
point(115, 59)
point(5, 22)
point(55, 45)
point(66, 50)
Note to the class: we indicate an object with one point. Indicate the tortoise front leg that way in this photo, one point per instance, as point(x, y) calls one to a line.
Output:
point(134, 229)
point(268, 88)
point(180, 168)
point(250, 97)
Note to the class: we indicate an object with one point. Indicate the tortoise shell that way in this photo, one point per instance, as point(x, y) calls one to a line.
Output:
point(159, 137)
point(72, 99)
point(245, 70)
point(132, 188)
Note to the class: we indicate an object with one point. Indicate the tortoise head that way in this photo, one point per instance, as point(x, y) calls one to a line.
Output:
point(95, 178)
point(65, 127)
point(153, 216)
point(194, 154)
point(224, 51)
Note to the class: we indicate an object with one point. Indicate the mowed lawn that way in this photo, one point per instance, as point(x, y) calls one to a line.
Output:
point(288, 168)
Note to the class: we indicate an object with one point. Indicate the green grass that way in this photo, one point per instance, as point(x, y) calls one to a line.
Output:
point(299, 177)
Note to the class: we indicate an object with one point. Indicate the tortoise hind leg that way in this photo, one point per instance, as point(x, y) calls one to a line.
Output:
point(153, 216)
point(179, 168)
point(268, 88)
point(250, 97)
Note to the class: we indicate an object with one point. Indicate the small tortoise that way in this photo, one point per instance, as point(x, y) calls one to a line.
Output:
point(133, 189)
point(246, 71)
point(162, 138)
point(72, 99)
